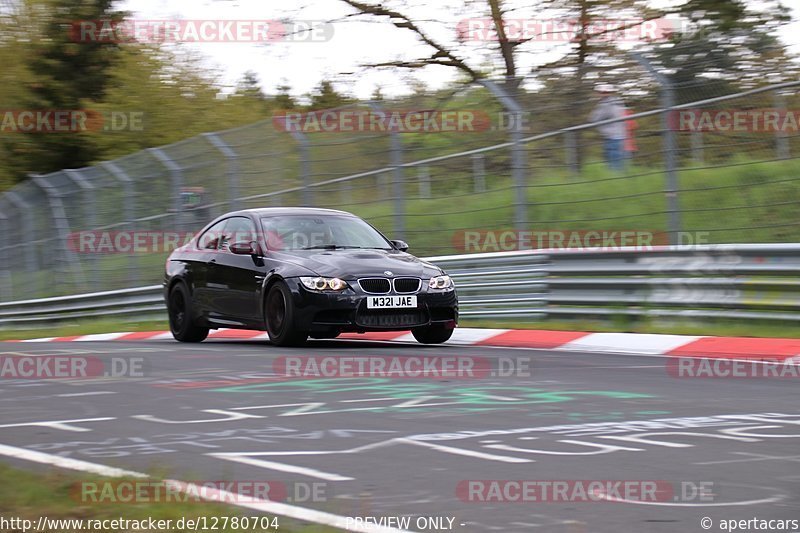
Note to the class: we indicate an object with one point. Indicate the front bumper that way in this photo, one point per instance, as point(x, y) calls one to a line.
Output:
point(347, 310)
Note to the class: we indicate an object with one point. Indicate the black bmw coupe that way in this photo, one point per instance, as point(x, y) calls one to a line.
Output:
point(301, 272)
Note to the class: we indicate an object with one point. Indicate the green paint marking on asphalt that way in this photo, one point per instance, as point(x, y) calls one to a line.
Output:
point(473, 397)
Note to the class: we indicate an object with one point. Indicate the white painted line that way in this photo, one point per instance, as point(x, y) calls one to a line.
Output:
point(76, 394)
point(753, 457)
point(369, 400)
point(65, 462)
point(291, 511)
point(45, 339)
point(643, 343)
point(773, 499)
point(468, 453)
point(244, 458)
point(101, 337)
point(65, 425)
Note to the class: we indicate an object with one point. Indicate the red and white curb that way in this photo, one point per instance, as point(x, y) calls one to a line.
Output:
point(564, 341)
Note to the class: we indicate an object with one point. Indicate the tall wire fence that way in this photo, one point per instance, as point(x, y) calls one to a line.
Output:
point(718, 170)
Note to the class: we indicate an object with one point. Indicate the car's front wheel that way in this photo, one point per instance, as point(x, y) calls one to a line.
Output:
point(279, 315)
point(181, 322)
point(432, 334)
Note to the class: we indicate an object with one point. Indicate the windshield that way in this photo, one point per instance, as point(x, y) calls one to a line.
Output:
point(321, 232)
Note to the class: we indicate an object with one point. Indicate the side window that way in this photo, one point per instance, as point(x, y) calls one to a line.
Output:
point(238, 229)
point(211, 238)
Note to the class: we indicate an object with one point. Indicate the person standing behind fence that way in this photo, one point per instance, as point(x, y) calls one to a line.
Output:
point(614, 134)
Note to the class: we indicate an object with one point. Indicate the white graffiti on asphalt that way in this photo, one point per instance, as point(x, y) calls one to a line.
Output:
point(638, 435)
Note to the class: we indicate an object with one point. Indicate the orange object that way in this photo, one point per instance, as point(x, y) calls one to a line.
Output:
point(630, 138)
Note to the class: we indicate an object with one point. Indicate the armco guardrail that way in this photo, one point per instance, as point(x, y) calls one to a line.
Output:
point(139, 302)
point(746, 281)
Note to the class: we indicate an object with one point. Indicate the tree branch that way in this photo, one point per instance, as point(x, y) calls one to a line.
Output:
point(443, 56)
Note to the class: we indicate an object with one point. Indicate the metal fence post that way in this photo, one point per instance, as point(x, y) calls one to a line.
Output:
point(696, 139)
point(398, 177)
point(89, 208)
point(233, 164)
point(128, 210)
point(781, 140)
point(176, 172)
point(671, 189)
point(479, 172)
point(571, 148)
point(398, 181)
point(305, 167)
point(6, 283)
point(28, 229)
point(518, 154)
point(61, 223)
point(424, 178)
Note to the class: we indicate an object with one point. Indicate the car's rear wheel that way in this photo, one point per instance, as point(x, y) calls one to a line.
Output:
point(181, 321)
point(432, 334)
point(279, 314)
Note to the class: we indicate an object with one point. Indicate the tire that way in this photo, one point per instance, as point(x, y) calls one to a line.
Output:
point(432, 334)
point(181, 323)
point(279, 317)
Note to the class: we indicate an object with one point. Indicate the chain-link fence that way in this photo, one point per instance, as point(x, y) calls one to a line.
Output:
point(720, 170)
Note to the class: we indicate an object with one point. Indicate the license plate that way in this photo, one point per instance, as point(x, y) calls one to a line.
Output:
point(391, 302)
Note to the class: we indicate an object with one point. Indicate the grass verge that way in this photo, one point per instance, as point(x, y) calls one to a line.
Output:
point(84, 327)
point(55, 494)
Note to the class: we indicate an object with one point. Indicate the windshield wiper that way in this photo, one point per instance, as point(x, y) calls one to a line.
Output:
point(339, 247)
point(330, 247)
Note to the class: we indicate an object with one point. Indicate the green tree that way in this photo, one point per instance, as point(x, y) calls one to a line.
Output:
point(66, 74)
point(249, 86)
point(326, 97)
point(727, 46)
point(284, 99)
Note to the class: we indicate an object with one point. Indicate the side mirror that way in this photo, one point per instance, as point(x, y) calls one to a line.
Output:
point(244, 248)
point(400, 245)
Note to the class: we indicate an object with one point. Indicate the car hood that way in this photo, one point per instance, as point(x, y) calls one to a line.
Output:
point(353, 264)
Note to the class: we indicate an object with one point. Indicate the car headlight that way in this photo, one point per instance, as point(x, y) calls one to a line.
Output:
point(324, 284)
point(440, 282)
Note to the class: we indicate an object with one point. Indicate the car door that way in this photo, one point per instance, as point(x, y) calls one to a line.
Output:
point(236, 279)
point(200, 261)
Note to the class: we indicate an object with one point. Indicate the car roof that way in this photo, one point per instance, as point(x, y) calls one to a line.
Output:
point(271, 211)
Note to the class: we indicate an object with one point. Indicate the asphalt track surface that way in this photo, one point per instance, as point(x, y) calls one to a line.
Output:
point(400, 447)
